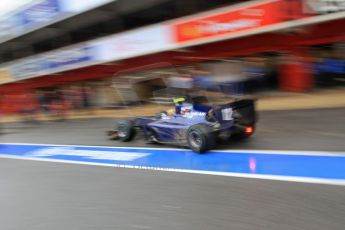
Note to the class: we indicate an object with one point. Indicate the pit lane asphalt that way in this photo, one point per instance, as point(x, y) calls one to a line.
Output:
point(41, 195)
point(322, 129)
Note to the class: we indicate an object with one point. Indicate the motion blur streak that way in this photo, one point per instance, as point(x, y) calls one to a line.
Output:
point(255, 88)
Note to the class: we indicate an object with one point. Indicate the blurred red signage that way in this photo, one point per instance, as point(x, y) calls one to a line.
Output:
point(237, 19)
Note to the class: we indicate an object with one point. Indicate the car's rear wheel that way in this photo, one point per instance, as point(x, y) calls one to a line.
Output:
point(200, 138)
point(126, 130)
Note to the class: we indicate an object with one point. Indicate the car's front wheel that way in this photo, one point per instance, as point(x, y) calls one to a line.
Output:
point(126, 130)
point(200, 138)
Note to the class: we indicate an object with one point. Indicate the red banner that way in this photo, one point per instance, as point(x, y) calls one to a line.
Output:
point(234, 20)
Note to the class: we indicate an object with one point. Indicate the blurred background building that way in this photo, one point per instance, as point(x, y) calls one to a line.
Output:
point(66, 52)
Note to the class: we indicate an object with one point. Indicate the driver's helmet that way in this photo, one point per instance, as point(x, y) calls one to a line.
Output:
point(178, 100)
point(181, 107)
point(178, 104)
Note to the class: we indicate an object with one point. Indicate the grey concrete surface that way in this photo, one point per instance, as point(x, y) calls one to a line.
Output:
point(55, 196)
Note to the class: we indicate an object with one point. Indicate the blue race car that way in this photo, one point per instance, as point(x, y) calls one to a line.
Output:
point(194, 123)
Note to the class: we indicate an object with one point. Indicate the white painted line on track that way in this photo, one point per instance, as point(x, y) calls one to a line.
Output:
point(239, 175)
point(246, 151)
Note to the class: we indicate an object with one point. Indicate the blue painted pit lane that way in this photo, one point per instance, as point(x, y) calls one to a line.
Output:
point(282, 164)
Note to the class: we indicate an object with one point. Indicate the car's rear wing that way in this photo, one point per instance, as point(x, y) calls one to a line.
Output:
point(241, 111)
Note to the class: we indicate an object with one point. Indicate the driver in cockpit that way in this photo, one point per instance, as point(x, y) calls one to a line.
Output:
point(171, 112)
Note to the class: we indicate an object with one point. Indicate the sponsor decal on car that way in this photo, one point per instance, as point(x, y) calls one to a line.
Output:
point(193, 114)
point(227, 114)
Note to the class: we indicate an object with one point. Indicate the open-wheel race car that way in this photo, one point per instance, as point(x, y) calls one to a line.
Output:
point(194, 122)
point(200, 119)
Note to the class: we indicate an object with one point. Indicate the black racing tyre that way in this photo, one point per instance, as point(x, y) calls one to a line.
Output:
point(200, 138)
point(126, 130)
